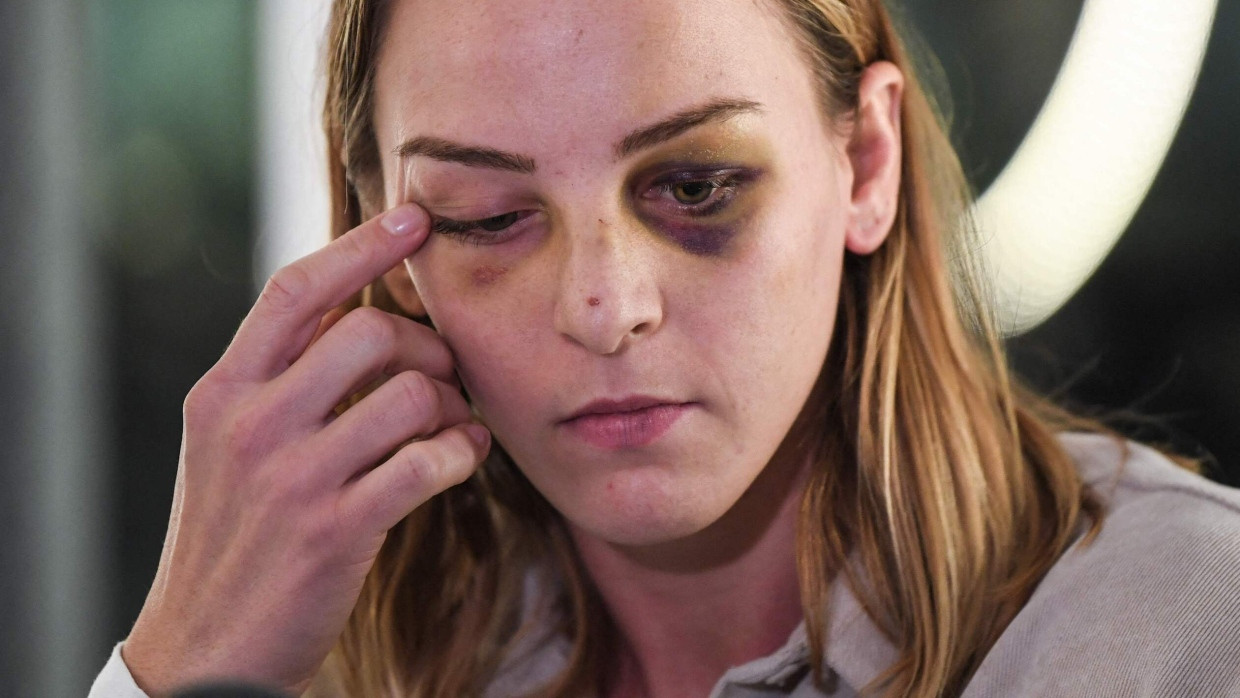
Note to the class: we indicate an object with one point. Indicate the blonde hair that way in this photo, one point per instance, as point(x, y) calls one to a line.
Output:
point(939, 492)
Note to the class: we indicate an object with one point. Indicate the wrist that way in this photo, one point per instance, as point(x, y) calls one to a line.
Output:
point(153, 667)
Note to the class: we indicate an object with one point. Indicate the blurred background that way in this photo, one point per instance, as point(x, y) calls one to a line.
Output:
point(158, 154)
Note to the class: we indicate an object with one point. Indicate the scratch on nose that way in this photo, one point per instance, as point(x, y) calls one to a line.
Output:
point(593, 301)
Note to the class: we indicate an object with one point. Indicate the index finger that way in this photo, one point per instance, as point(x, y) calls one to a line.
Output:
point(286, 315)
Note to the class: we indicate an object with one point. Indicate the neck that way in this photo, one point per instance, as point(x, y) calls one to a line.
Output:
point(687, 610)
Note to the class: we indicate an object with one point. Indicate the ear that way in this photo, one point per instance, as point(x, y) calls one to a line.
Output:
point(875, 155)
point(399, 285)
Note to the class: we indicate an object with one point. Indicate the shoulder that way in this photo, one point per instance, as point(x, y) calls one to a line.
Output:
point(1169, 547)
point(1151, 606)
point(1148, 498)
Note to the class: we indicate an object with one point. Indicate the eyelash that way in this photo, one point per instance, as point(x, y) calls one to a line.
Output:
point(727, 182)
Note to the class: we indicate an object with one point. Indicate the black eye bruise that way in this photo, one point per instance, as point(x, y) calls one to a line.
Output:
point(701, 240)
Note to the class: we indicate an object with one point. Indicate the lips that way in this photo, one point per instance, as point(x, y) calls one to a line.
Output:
point(628, 404)
point(625, 423)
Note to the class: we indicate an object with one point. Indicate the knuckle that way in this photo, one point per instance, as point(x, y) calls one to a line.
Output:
point(466, 452)
point(416, 393)
point(371, 327)
point(344, 520)
point(440, 356)
point(202, 402)
point(286, 288)
point(419, 474)
point(246, 432)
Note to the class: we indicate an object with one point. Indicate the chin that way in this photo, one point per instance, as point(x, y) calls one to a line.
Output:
point(636, 509)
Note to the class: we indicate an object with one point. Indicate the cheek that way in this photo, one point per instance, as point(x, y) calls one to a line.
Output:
point(486, 311)
point(792, 268)
point(484, 275)
point(497, 354)
point(781, 294)
point(808, 257)
point(451, 277)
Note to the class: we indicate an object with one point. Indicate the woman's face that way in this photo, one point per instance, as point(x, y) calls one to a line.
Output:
point(695, 265)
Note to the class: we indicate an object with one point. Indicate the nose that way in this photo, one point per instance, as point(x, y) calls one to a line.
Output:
point(608, 294)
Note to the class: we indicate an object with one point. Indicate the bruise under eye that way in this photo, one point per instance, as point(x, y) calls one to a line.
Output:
point(703, 240)
point(486, 275)
point(689, 205)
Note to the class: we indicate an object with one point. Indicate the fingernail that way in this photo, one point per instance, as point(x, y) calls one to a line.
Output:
point(480, 435)
point(401, 220)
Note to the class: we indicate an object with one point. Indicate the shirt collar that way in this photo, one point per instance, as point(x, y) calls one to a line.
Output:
point(856, 649)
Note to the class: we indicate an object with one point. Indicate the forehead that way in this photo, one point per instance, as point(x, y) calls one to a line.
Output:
point(564, 73)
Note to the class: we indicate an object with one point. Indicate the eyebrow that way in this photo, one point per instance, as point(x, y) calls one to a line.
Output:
point(714, 111)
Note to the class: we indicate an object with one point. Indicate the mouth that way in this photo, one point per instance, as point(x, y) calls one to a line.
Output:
point(626, 423)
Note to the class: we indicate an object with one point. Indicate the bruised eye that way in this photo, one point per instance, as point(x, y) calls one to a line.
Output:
point(697, 194)
point(692, 192)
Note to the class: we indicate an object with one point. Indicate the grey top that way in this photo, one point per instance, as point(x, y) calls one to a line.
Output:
point(1151, 608)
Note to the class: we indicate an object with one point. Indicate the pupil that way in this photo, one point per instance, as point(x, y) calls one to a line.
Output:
point(497, 223)
point(696, 192)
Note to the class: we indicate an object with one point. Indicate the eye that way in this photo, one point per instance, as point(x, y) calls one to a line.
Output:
point(699, 194)
point(693, 192)
point(495, 224)
point(483, 231)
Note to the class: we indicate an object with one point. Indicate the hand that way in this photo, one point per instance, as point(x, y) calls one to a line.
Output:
point(277, 513)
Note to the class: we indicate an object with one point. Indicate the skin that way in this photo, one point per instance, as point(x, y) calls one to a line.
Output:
point(604, 288)
point(280, 506)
